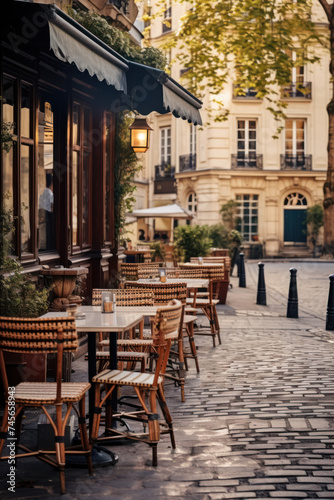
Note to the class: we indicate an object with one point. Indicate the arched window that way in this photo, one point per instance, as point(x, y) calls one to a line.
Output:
point(295, 199)
point(192, 203)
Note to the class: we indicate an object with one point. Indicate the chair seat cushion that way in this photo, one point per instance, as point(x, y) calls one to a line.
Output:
point(123, 377)
point(134, 342)
point(188, 318)
point(123, 354)
point(202, 302)
point(45, 392)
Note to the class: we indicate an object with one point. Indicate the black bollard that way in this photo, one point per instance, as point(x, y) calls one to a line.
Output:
point(292, 311)
point(261, 287)
point(330, 305)
point(242, 274)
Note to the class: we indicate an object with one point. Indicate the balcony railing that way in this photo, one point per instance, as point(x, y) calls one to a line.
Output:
point(165, 186)
point(122, 5)
point(252, 161)
point(296, 162)
point(164, 171)
point(164, 182)
point(239, 93)
point(187, 162)
point(167, 22)
point(300, 90)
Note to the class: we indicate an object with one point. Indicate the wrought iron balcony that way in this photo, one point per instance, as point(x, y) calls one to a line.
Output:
point(164, 182)
point(165, 186)
point(300, 90)
point(239, 93)
point(296, 162)
point(163, 171)
point(122, 5)
point(187, 162)
point(251, 161)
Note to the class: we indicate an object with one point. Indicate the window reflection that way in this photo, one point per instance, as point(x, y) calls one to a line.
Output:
point(25, 111)
point(25, 199)
point(107, 234)
point(46, 223)
point(75, 198)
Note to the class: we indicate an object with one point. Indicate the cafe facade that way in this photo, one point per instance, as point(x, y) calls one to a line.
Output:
point(61, 92)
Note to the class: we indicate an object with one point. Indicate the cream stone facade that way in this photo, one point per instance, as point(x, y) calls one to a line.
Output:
point(274, 180)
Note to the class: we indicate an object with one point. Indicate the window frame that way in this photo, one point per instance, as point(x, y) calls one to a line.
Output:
point(294, 139)
point(246, 151)
point(253, 205)
point(20, 142)
point(165, 134)
point(80, 149)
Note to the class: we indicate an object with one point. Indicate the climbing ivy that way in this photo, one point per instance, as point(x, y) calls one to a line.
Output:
point(119, 40)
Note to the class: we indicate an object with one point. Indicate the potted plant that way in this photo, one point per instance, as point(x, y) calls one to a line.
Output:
point(19, 297)
point(158, 252)
point(314, 220)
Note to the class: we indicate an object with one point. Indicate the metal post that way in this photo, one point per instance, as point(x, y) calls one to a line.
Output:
point(292, 311)
point(242, 274)
point(330, 305)
point(261, 287)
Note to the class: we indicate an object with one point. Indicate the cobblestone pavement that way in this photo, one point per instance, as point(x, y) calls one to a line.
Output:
point(257, 422)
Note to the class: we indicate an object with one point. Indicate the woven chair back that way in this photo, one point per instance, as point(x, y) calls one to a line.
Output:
point(26, 335)
point(180, 272)
point(148, 272)
point(124, 297)
point(163, 292)
point(213, 260)
point(130, 271)
point(167, 321)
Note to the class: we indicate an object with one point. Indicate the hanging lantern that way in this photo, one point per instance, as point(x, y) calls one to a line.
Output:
point(139, 135)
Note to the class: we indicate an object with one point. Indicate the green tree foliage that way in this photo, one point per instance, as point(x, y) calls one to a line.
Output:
point(219, 236)
point(229, 212)
point(254, 36)
point(314, 221)
point(192, 241)
point(18, 295)
point(119, 40)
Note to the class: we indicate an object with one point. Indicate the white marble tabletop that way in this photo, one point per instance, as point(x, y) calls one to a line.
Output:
point(96, 321)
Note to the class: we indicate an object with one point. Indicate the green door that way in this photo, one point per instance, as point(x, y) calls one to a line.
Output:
point(295, 225)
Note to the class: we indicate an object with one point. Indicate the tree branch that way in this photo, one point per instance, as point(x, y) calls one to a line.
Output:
point(327, 9)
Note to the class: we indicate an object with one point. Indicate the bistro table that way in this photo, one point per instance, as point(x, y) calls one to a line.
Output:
point(96, 321)
point(190, 282)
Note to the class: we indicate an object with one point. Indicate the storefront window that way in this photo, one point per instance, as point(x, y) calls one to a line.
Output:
point(81, 176)
point(8, 111)
point(108, 179)
point(26, 128)
point(26, 156)
point(46, 222)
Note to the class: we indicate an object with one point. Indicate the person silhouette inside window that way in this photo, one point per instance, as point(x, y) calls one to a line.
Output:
point(46, 204)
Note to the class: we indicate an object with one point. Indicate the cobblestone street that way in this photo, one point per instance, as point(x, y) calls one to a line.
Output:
point(258, 421)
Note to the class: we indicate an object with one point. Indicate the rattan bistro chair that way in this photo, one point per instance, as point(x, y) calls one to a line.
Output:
point(57, 336)
point(208, 303)
point(126, 352)
point(166, 324)
point(163, 293)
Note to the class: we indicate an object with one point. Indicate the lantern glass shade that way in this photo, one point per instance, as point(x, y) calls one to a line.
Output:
point(139, 135)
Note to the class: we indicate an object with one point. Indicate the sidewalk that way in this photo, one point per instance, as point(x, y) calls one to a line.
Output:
point(258, 420)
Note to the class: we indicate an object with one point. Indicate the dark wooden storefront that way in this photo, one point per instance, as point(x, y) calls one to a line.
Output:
point(63, 147)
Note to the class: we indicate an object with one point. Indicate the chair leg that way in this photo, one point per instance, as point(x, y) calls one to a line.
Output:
point(83, 434)
point(190, 332)
point(4, 428)
point(166, 414)
point(96, 416)
point(154, 426)
point(60, 448)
